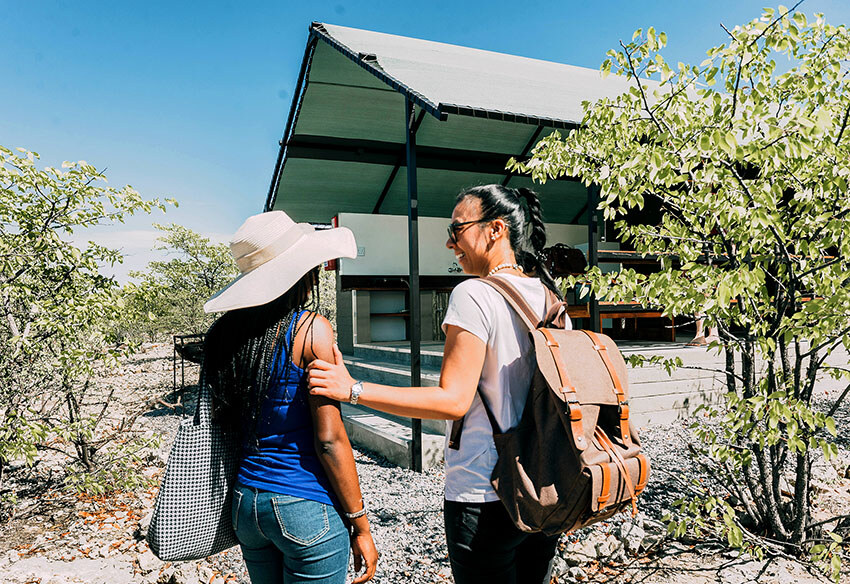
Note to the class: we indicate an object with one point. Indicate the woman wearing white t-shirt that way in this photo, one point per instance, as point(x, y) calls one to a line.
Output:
point(494, 230)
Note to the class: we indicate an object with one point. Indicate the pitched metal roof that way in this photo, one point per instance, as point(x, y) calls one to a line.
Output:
point(343, 146)
point(456, 79)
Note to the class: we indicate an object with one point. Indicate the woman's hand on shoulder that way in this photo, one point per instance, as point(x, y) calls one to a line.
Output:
point(330, 378)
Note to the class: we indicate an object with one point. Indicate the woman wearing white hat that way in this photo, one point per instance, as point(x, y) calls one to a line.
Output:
point(297, 507)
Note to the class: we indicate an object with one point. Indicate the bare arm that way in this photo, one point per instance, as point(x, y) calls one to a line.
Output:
point(314, 340)
point(463, 360)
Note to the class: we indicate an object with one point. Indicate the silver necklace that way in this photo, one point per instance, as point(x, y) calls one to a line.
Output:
point(504, 266)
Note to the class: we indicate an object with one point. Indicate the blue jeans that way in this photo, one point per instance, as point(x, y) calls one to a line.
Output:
point(289, 540)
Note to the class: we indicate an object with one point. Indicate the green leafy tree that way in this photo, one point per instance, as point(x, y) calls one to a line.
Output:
point(170, 294)
point(327, 296)
point(54, 307)
point(748, 162)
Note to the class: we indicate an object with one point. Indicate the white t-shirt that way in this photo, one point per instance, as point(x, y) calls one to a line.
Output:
point(477, 307)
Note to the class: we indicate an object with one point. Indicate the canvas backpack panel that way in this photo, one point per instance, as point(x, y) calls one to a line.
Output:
point(574, 458)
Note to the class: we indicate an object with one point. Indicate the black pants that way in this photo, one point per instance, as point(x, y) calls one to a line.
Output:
point(486, 547)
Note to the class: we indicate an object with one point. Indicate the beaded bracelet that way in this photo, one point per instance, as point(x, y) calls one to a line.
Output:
point(357, 514)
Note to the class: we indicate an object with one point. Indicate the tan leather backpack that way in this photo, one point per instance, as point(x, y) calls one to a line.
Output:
point(574, 458)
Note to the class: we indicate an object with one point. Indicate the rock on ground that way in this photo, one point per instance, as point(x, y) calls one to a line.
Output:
point(60, 538)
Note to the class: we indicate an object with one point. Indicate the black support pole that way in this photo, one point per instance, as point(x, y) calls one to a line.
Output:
point(415, 311)
point(592, 255)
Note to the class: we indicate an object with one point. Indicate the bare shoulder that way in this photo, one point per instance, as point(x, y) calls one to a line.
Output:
point(314, 338)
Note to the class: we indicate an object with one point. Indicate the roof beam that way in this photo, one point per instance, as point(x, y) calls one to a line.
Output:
point(389, 154)
point(531, 142)
point(462, 110)
point(395, 169)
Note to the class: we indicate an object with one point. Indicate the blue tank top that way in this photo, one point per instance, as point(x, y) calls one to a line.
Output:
point(283, 459)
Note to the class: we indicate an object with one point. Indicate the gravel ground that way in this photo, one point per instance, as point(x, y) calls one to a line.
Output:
point(59, 538)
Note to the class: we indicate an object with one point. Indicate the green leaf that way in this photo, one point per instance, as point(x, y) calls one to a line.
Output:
point(830, 426)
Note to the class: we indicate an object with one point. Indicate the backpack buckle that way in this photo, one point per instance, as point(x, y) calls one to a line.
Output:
point(574, 409)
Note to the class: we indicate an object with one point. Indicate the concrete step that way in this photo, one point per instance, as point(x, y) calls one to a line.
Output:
point(399, 354)
point(396, 374)
point(388, 372)
point(391, 436)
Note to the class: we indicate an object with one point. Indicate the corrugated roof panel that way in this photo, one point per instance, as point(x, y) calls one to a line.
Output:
point(484, 80)
point(562, 201)
point(352, 112)
point(349, 130)
point(316, 190)
point(331, 66)
point(474, 134)
point(437, 190)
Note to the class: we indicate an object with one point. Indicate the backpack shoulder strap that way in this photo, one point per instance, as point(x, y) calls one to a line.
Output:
point(531, 321)
point(555, 315)
point(516, 300)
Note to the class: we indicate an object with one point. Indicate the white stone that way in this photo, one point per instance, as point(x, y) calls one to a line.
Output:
point(204, 575)
point(577, 574)
point(607, 546)
point(148, 562)
point(584, 551)
point(631, 535)
point(559, 566)
point(651, 541)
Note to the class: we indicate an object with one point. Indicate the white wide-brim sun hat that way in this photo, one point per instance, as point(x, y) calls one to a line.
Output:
point(273, 252)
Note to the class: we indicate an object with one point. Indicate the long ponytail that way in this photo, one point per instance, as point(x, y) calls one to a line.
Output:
point(532, 261)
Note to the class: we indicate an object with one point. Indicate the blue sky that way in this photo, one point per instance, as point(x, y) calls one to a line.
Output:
point(189, 100)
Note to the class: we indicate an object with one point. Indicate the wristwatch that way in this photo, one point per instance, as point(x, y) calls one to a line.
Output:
point(356, 390)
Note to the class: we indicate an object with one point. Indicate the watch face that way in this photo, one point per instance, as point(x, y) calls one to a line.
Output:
point(355, 392)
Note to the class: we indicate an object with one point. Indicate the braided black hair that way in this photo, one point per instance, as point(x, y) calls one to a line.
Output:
point(526, 230)
point(243, 349)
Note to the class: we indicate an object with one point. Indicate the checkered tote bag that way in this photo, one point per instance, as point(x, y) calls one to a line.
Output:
point(191, 515)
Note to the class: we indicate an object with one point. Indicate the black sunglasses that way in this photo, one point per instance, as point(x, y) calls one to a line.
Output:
point(453, 227)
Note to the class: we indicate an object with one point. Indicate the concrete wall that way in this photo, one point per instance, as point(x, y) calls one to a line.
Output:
point(382, 244)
